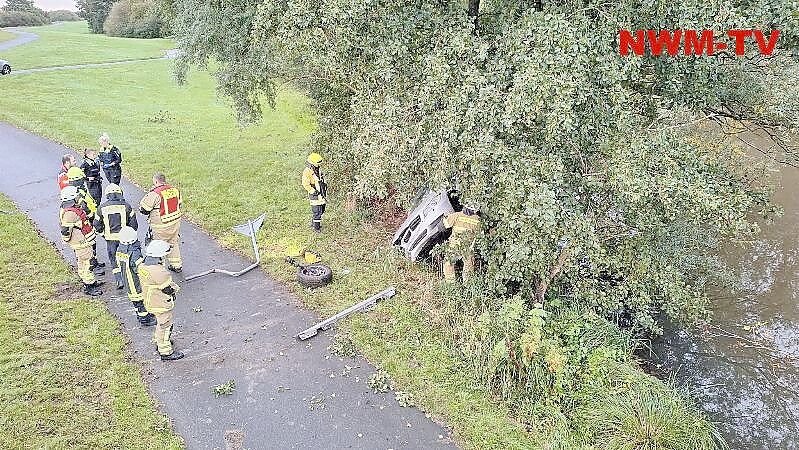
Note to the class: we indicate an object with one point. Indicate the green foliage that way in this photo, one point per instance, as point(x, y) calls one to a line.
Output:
point(136, 19)
point(572, 372)
point(642, 416)
point(22, 13)
point(579, 159)
point(63, 15)
point(21, 18)
point(94, 12)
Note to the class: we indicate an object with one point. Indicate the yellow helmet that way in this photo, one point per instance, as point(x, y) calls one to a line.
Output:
point(75, 173)
point(315, 158)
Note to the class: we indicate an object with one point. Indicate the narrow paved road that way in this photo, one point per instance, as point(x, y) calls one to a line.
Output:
point(289, 394)
point(23, 37)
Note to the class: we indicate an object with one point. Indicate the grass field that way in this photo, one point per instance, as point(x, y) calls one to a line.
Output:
point(6, 36)
point(65, 380)
point(71, 43)
point(228, 174)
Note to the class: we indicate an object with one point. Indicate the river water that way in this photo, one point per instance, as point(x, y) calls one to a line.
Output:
point(743, 370)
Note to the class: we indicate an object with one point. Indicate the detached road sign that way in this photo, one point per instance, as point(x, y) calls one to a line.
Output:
point(249, 229)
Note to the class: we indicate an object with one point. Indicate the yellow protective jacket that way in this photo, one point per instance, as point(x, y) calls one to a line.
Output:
point(162, 206)
point(76, 230)
point(314, 183)
point(463, 226)
point(155, 279)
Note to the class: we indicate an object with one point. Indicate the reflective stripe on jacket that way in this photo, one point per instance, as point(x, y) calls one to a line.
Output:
point(162, 205)
point(115, 214)
point(128, 258)
point(314, 183)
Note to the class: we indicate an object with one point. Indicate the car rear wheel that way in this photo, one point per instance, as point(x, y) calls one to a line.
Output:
point(314, 275)
point(5, 70)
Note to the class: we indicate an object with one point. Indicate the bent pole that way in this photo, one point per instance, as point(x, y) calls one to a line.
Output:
point(327, 323)
point(249, 229)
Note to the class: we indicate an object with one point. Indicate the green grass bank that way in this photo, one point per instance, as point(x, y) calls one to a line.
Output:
point(65, 378)
point(70, 43)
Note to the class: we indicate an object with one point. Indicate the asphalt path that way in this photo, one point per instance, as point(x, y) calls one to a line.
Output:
point(289, 393)
point(23, 37)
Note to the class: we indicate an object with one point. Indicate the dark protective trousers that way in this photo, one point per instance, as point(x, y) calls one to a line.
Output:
point(316, 216)
point(95, 189)
point(113, 174)
point(112, 246)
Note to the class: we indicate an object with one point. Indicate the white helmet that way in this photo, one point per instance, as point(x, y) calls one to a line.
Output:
point(157, 249)
point(127, 235)
point(113, 189)
point(69, 193)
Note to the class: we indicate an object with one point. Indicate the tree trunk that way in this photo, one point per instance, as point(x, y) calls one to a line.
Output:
point(541, 289)
point(474, 13)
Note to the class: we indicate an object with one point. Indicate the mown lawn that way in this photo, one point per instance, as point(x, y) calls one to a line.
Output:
point(71, 43)
point(65, 379)
point(228, 174)
point(6, 36)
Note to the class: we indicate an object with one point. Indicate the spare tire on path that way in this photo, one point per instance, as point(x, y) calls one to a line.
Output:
point(314, 275)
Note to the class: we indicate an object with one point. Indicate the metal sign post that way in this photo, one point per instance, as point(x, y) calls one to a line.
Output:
point(248, 229)
point(327, 323)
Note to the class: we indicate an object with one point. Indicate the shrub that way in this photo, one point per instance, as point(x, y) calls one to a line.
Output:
point(571, 369)
point(647, 415)
point(22, 18)
point(136, 19)
point(62, 15)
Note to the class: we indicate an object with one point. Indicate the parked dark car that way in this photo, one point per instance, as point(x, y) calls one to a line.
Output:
point(424, 227)
point(5, 67)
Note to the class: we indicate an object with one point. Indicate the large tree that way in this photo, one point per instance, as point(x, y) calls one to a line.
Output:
point(589, 167)
point(95, 12)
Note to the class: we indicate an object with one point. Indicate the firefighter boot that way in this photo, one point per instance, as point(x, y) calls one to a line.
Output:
point(145, 319)
point(175, 355)
point(92, 289)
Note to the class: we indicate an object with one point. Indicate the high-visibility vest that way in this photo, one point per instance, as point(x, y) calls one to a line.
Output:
point(63, 180)
point(115, 217)
point(170, 203)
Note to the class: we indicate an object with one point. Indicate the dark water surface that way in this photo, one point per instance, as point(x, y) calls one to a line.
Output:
point(744, 369)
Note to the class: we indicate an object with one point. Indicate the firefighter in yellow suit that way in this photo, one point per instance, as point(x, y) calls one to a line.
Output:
point(313, 181)
point(76, 230)
point(162, 206)
point(159, 292)
point(465, 226)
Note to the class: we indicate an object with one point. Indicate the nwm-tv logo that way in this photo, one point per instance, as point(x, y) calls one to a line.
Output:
point(692, 42)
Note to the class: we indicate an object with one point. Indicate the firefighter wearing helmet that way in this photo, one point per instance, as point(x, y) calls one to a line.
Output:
point(77, 178)
point(162, 206)
point(313, 181)
point(159, 296)
point(128, 258)
point(77, 231)
point(113, 215)
point(465, 225)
